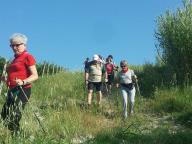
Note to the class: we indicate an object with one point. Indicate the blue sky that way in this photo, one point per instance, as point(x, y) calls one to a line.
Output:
point(65, 32)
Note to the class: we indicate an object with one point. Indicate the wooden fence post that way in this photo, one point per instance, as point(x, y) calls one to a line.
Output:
point(43, 70)
point(53, 69)
point(4, 74)
point(48, 69)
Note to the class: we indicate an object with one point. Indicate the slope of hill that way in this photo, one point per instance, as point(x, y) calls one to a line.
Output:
point(59, 101)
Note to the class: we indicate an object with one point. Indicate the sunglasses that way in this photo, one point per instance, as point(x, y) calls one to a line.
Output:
point(123, 66)
point(15, 45)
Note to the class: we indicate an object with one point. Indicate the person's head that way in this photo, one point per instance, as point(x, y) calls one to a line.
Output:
point(96, 58)
point(18, 43)
point(110, 56)
point(87, 59)
point(107, 60)
point(123, 64)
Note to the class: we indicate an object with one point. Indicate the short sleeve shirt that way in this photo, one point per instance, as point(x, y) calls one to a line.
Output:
point(126, 78)
point(19, 68)
point(109, 68)
point(95, 72)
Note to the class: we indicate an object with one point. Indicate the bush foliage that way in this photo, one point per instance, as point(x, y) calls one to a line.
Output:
point(174, 41)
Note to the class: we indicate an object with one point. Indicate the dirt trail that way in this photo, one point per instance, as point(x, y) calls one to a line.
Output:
point(141, 122)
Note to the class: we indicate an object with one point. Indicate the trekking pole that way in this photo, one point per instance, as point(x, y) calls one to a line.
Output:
point(33, 111)
point(3, 75)
point(107, 90)
point(138, 90)
point(117, 96)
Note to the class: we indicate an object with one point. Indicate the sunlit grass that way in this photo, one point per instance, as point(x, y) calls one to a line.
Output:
point(59, 101)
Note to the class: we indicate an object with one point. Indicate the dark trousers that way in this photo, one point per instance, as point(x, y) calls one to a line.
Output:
point(15, 103)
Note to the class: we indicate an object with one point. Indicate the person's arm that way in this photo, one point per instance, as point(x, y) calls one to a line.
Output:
point(31, 78)
point(134, 77)
point(116, 68)
point(87, 72)
point(104, 73)
point(86, 76)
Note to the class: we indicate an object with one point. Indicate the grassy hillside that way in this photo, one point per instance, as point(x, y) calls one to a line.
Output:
point(59, 101)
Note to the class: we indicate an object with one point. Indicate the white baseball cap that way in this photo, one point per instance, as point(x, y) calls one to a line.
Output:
point(95, 57)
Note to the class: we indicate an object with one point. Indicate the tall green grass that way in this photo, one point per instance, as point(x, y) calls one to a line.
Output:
point(59, 101)
point(172, 100)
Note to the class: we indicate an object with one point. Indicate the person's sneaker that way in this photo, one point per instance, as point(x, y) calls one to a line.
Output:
point(132, 111)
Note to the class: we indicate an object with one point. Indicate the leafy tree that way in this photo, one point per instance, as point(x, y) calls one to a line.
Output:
point(174, 41)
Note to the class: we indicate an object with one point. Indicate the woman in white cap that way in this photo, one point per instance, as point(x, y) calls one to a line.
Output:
point(21, 73)
point(93, 78)
point(126, 78)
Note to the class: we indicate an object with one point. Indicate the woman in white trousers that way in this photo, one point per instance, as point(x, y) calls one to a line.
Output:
point(126, 78)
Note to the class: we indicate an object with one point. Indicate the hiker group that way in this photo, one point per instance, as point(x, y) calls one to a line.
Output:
point(99, 72)
point(22, 72)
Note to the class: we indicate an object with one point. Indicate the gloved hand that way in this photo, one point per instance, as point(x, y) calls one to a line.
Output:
point(106, 80)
